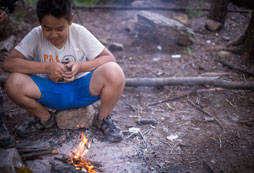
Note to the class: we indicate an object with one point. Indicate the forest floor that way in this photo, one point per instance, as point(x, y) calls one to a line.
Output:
point(185, 139)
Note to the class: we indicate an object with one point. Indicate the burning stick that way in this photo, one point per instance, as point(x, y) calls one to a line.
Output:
point(79, 159)
point(66, 159)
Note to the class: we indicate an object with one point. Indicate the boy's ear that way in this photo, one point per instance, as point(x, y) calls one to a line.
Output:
point(71, 19)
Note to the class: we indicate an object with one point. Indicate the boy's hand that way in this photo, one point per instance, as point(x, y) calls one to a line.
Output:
point(70, 74)
point(3, 16)
point(56, 70)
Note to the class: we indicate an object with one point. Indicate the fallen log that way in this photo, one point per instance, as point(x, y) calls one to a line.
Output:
point(162, 8)
point(188, 81)
point(181, 81)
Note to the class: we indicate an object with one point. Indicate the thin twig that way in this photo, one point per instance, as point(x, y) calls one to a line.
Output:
point(130, 106)
point(208, 168)
point(203, 111)
point(220, 145)
point(192, 92)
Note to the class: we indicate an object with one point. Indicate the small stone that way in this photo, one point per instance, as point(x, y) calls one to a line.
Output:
point(130, 58)
point(172, 137)
point(209, 119)
point(208, 41)
point(130, 26)
point(224, 54)
point(7, 44)
point(156, 59)
point(115, 47)
point(213, 25)
point(165, 129)
point(176, 56)
point(160, 73)
point(144, 121)
point(159, 47)
point(226, 38)
point(134, 130)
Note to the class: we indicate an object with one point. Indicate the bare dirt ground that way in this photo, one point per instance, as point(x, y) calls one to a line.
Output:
point(185, 139)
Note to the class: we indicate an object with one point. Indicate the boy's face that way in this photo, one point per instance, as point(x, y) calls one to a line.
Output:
point(55, 29)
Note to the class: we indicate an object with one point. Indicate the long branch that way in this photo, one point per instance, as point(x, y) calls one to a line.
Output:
point(128, 7)
point(180, 81)
point(189, 81)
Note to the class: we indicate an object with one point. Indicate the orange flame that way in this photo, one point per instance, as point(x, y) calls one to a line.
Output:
point(78, 158)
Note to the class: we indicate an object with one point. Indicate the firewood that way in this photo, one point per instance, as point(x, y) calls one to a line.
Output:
point(181, 81)
point(37, 154)
point(127, 7)
point(144, 121)
point(189, 81)
point(28, 150)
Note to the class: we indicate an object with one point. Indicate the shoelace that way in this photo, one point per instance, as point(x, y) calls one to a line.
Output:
point(109, 124)
point(35, 122)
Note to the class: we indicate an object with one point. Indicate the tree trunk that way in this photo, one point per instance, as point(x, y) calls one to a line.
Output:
point(248, 50)
point(218, 10)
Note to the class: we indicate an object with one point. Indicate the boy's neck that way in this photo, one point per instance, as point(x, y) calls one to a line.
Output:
point(61, 45)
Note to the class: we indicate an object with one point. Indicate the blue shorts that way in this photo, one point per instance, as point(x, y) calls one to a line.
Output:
point(61, 96)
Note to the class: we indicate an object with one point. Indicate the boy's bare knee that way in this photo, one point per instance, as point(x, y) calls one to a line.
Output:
point(114, 72)
point(14, 81)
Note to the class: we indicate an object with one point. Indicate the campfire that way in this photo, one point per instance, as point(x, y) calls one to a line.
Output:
point(78, 155)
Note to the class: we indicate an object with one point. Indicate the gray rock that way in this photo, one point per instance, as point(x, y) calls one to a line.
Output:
point(130, 26)
point(75, 118)
point(224, 54)
point(8, 44)
point(115, 47)
point(213, 25)
point(162, 30)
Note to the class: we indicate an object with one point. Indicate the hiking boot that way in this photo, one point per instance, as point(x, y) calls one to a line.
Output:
point(6, 139)
point(35, 126)
point(111, 132)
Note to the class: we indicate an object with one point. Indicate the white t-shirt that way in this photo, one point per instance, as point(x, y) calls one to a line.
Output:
point(81, 45)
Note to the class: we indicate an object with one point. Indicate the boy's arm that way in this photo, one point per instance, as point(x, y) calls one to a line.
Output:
point(104, 57)
point(16, 62)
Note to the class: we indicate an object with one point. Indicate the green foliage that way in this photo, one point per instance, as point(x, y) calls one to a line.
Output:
point(188, 51)
point(192, 9)
point(250, 11)
point(18, 14)
point(84, 2)
point(31, 3)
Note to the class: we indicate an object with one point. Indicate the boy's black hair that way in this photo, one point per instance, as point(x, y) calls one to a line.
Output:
point(56, 8)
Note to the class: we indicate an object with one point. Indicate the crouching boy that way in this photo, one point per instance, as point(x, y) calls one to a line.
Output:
point(61, 65)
